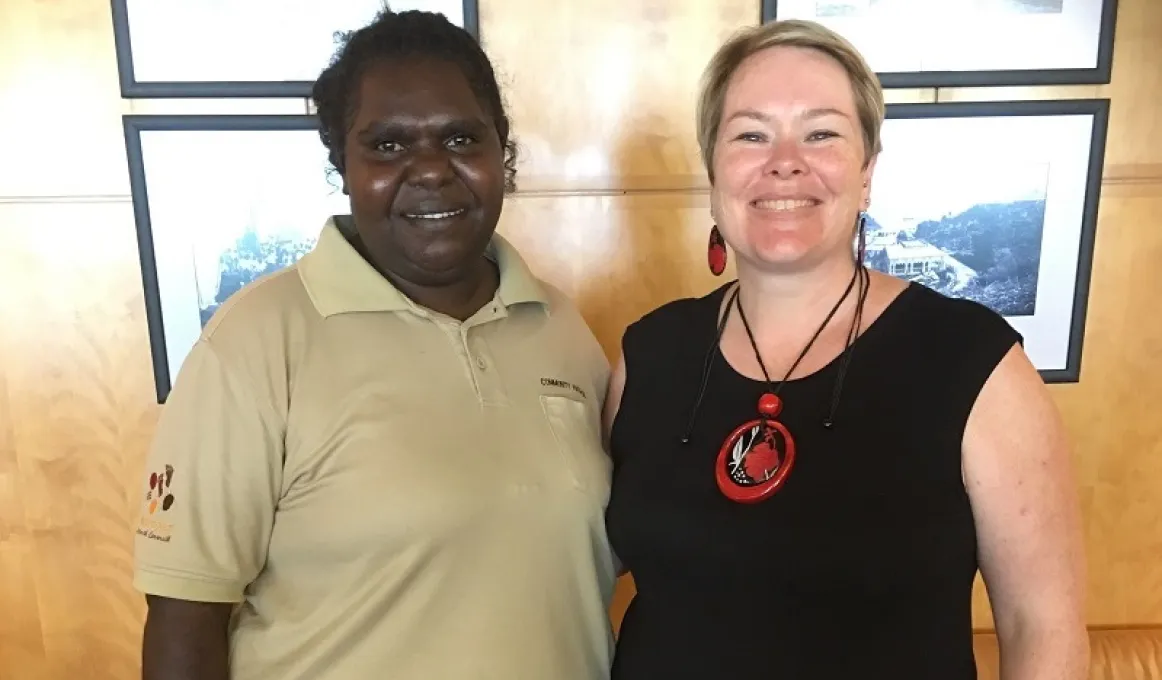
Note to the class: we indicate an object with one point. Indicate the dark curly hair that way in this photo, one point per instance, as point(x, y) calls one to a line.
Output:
point(396, 35)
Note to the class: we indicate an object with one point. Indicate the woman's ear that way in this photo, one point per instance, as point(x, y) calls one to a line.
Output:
point(868, 172)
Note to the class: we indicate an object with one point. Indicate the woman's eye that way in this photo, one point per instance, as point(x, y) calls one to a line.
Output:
point(821, 134)
point(460, 140)
point(750, 137)
point(387, 147)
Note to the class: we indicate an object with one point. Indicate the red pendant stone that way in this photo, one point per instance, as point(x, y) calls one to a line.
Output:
point(770, 405)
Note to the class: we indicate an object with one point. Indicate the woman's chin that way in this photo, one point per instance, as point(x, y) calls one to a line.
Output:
point(786, 253)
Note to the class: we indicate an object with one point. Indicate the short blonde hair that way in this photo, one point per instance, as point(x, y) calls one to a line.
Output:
point(865, 85)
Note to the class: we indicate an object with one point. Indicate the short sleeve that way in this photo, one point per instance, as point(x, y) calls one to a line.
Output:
point(211, 485)
point(992, 337)
point(629, 342)
point(972, 341)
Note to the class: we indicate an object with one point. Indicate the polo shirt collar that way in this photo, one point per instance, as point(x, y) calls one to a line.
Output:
point(338, 279)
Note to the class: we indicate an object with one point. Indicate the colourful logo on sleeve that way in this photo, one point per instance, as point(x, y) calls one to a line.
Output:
point(158, 499)
point(159, 494)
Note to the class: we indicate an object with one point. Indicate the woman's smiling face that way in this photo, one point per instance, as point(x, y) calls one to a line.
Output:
point(424, 171)
point(790, 176)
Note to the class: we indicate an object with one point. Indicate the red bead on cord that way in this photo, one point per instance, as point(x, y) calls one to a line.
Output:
point(770, 405)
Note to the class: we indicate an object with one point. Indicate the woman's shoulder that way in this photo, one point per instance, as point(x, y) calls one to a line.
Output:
point(959, 317)
point(680, 314)
point(258, 304)
point(673, 331)
point(959, 338)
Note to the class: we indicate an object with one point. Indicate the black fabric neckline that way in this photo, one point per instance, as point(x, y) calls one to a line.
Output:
point(895, 307)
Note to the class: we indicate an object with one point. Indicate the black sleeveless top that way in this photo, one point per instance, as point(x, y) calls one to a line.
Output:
point(862, 565)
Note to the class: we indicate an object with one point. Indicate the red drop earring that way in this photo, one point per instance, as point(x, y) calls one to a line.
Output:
point(716, 252)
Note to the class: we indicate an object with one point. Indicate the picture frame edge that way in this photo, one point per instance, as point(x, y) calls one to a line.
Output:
point(1059, 376)
point(122, 47)
point(1098, 108)
point(1101, 73)
point(1087, 240)
point(997, 107)
point(222, 122)
point(132, 126)
point(131, 88)
point(147, 259)
point(266, 89)
point(471, 9)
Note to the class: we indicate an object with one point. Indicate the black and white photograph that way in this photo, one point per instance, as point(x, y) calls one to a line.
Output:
point(965, 43)
point(958, 206)
point(975, 233)
point(256, 48)
point(220, 201)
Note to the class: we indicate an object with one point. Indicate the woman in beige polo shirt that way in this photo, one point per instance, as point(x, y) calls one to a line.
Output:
point(385, 461)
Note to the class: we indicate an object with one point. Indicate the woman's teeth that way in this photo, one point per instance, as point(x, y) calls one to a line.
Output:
point(436, 215)
point(783, 204)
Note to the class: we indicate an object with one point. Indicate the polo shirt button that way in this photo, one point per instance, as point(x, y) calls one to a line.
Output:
point(480, 362)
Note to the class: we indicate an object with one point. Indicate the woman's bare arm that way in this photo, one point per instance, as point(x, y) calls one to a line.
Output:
point(1017, 472)
point(185, 640)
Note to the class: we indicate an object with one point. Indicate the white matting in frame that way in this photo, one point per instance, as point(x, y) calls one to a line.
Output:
point(936, 43)
point(220, 201)
point(243, 48)
point(996, 202)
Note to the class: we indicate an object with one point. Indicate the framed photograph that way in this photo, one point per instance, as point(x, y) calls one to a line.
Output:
point(250, 48)
point(218, 202)
point(970, 43)
point(996, 202)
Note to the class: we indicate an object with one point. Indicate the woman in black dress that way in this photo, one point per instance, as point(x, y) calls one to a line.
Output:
point(812, 462)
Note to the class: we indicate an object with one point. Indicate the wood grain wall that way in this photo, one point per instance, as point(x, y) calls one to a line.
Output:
point(602, 101)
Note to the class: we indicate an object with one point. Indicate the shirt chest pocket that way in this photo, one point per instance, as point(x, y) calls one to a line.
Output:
point(576, 431)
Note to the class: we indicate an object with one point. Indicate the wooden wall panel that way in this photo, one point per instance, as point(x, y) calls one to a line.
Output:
point(78, 410)
point(601, 90)
point(612, 209)
point(21, 644)
point(1111, 413)
point(1136, 90)
point(59, 100)
point(618, 256)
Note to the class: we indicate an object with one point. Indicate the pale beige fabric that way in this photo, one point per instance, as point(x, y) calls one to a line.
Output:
point(389, 493)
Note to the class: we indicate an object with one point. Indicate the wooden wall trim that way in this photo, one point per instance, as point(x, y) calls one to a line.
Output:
point(1133, 173)
point(1121, 173)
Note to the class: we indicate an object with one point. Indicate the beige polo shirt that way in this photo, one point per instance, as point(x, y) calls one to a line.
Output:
point(388, 492)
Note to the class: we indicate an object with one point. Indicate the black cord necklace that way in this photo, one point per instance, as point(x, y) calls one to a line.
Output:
point(756, 458)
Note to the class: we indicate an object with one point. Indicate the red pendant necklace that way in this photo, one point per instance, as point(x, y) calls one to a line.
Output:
point(756, 458)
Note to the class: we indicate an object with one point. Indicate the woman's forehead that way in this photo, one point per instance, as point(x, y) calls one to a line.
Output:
point(781, 79)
